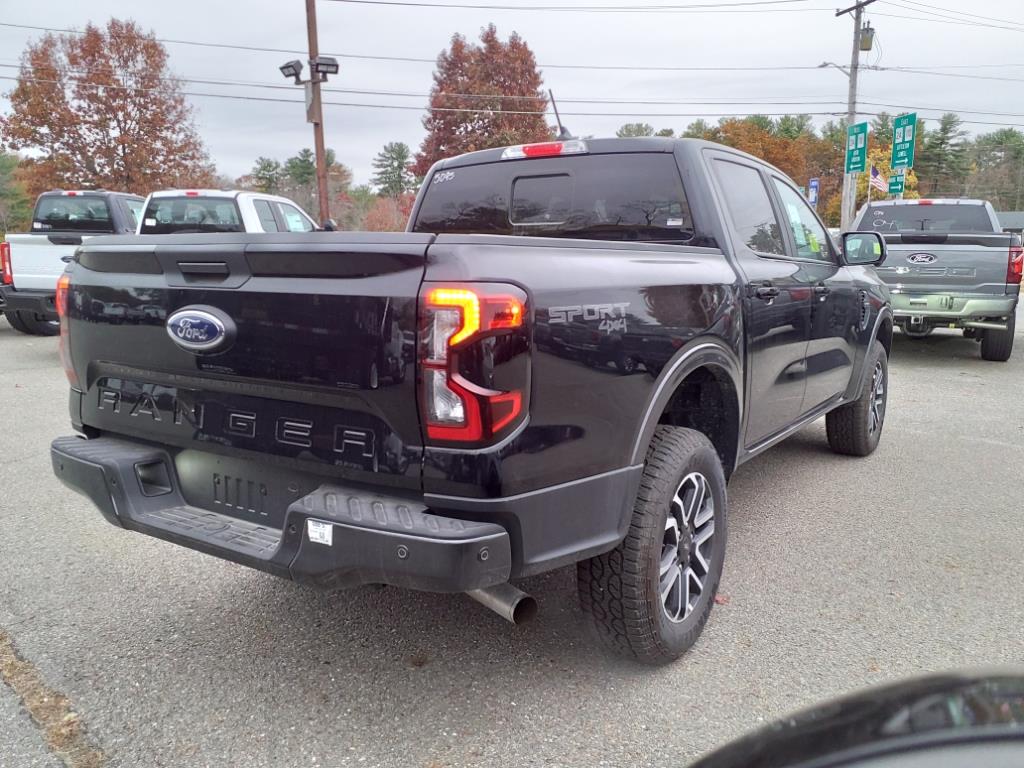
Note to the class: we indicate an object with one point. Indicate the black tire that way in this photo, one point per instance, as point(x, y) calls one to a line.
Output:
point(14, 318)
point(31, 323)
point(997, 346)
point(854, 429)
point(625, 364)
point(621, 590)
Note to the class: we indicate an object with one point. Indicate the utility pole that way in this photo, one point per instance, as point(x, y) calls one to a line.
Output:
point(849, 202)
point(317, 116)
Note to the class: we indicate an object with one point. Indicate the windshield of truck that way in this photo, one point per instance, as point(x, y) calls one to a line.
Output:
point(927, 218)
point(596, 197)
point(78, 213)
point(169, 215)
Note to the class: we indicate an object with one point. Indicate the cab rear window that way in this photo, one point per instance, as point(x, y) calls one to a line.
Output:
point(170, 215)
point(927, 218)
point(78, 213)
point(598, 197)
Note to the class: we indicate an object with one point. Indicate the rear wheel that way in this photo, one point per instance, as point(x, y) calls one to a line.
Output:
point(854, 429)
point(650, 597)
point(625, 364)
point(997, 346)
point(31, 323)
point(14, 318)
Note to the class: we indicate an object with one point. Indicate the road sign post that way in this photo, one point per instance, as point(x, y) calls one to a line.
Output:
point(857, 148)
point(812, 192)
point(904, 137)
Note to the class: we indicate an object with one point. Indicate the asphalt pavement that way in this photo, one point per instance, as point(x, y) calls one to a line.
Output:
point(841, 573)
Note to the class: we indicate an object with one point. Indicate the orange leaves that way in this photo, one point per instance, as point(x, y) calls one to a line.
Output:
point(480, 92)
point(99, 109)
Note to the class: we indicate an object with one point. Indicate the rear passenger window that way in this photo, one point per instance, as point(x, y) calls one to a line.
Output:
point(294, 221)
point(750, 208)
point(267, 221)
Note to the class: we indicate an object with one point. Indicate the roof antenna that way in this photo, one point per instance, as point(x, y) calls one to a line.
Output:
point(562, 132)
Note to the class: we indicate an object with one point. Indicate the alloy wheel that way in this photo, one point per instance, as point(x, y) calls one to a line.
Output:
point(686, 547)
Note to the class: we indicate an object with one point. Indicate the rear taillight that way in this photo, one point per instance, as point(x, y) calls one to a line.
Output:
point(473, 359)
point(5, 263)
point(61, 300)
point(1015, 267)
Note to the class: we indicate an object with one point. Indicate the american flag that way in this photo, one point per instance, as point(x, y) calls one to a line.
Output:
point(877, 181)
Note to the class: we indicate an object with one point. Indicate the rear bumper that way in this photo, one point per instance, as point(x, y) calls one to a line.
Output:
point(38, 302)
point(436, 543)
point(944, 309)
point(375, 539)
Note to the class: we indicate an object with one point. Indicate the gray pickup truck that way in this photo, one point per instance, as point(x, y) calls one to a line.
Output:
point(949, 265)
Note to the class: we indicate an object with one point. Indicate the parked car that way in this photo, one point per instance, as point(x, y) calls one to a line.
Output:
point(249, 423)
point(32, 262)
point(179, 211)
point(950, 266)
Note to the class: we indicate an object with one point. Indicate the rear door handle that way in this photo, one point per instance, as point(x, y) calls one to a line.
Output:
point(822, 290)
point(765, 291)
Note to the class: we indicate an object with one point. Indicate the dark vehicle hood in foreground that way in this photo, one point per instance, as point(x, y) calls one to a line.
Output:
point(914, 714)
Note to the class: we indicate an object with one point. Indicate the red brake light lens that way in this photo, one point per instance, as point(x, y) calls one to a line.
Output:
point(1015, 267)
point(545, 149)
point(5, 263)
point(61, 299)
point(459, 399)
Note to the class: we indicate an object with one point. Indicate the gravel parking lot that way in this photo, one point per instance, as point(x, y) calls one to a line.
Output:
point(841, 573)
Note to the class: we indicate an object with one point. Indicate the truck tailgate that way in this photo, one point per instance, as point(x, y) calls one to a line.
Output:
point(965, 264)
point(37, 260)
point(318, 375)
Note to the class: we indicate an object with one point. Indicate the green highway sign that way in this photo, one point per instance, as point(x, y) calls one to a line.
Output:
point(904, 136)
point(896, 184)
point(857, 148)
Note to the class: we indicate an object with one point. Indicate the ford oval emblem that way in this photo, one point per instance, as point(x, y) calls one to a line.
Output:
point(201, 329)
point(921, 258)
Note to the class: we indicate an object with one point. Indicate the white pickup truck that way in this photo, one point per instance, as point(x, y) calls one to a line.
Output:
point(179, 211)
point(32, 262)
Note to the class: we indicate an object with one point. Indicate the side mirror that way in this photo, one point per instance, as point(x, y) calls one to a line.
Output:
point(861, 248)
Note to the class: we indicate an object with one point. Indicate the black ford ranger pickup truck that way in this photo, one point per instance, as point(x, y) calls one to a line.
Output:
point(561, 362)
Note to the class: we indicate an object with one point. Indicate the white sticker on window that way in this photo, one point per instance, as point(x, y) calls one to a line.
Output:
point(37, 225)
point(320, 533)
point(674, 223)
point(150, 222)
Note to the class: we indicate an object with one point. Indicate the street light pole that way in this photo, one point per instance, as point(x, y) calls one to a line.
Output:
point(316, 116)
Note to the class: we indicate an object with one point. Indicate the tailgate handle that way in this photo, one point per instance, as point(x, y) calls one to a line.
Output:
point(204, 268)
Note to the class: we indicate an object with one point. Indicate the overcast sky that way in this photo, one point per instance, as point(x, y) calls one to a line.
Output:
point(795, 33)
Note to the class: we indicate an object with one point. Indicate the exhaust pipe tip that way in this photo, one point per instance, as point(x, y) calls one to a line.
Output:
point(510, 603)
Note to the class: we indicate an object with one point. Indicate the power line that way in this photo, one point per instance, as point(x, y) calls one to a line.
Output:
point(645, 115)
point(960, 13)
point(420, 60)
point(778, 101)
point(964, 23)
point(962, 19)
point(753, 5)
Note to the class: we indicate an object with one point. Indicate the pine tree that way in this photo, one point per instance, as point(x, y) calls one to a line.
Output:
point(392, 176)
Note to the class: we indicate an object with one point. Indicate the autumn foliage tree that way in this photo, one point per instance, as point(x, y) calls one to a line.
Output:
point(101, 109)
point(485, 95)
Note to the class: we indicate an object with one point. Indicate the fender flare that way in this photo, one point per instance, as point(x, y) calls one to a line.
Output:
point(700, 352)
point(883, 313)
